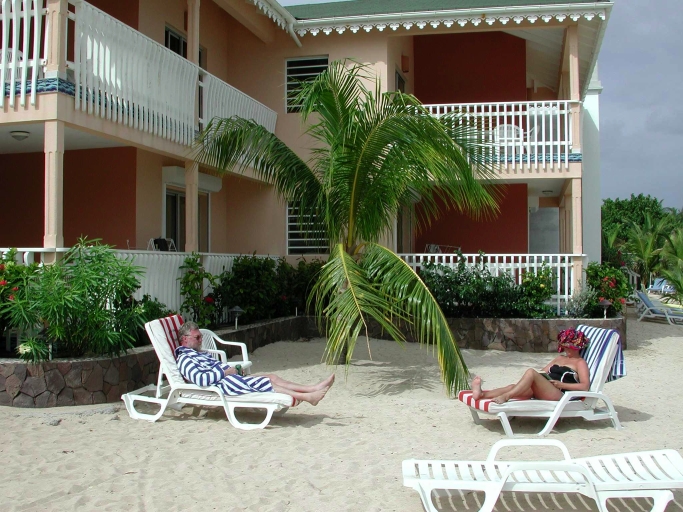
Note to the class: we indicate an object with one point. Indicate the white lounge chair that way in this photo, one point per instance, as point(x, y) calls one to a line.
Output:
point(647, 309)
point(163, 334)
point(648, 474)
point(605, 360)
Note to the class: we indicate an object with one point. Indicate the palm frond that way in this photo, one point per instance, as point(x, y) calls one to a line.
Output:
point(412, 299)
point(347, 299)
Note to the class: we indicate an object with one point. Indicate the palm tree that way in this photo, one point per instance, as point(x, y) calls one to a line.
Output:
point(645, 243)
point(374, 154)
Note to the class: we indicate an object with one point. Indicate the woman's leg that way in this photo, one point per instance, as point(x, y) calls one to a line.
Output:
point(479, 394)
point(301, 388)
point(531, 385)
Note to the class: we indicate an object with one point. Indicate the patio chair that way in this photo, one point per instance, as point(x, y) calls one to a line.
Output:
point(605, 360)
point(657, 286)
point(175, 390)
point(647, 309)
point(646, 474)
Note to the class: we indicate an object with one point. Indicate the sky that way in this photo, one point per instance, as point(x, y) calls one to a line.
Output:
point(641, 106)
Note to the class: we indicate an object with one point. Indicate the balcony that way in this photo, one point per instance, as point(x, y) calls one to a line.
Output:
point(114, 73)
point(527, 138)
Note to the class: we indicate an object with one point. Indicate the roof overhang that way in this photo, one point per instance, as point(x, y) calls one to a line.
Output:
point(520, 21)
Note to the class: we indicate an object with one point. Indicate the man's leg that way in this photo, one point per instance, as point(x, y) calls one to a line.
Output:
point(301, 388)
point(312, 397)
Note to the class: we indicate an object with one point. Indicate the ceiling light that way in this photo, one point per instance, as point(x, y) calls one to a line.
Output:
point(19, 135)
point(547, 192)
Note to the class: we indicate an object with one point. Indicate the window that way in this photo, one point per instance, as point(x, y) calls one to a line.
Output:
point(175, 219)
point(301, 70)
point(305, 236)
point(177, 43)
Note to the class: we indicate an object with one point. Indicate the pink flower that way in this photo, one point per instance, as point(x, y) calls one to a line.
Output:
point(3, 282)
point(622, 300)
point(15, 289)
point(11, 297)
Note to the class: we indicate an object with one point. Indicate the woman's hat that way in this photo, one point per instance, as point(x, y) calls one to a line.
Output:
point(571, 338)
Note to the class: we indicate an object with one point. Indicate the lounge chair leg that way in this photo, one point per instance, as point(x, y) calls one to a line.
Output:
point(475, 416)
point(506, 425)
point(425, 493)
point(230, 413)
point(661, 498)
point(129, 400)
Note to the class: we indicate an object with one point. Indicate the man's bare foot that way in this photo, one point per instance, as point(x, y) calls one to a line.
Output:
point(476, 388)
point(315, 397)
point(502, 399)
point(327, 383)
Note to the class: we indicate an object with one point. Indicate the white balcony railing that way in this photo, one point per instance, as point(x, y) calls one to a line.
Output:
point(128, 78)
point(529, 135)
point(562, 265)
point(119, 74)
point(21, 51)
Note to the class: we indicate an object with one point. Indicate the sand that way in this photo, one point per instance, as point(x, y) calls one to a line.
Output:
point(343, 455)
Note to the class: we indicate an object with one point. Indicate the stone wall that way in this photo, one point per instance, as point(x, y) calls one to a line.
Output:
point(513, 334)
point(76, 382)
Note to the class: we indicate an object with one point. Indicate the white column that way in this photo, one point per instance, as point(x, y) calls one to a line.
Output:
point(590, 171)
point(574, 86)
point(577, 230)
point(57, 12)
point(54, 184)
point(193, 31)
point(191, 206)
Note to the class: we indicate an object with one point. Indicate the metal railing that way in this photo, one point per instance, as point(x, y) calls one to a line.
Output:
point(536, 134)
point(563, 267)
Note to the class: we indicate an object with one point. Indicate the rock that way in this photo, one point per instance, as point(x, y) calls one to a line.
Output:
point(66, 397)
point(20, 371)
point(73, 378)
point(95, 379)
point(13, 385)
point(52, 400)
point(5, 399)
point(123, 372)
point(53, 423)
point(54, 380)
point(43, 399)
point(34, 386)
point(35, 370)
point(6, 369)
point(114, 418)
point(64, 368)
point(99, 398)
point(114, 394)
point(82, 397)
point(496, 345)
point(111, 376)
point(2, 381)
point(22, 400)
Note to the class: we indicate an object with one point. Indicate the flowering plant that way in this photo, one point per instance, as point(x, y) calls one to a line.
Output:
point(610, 284)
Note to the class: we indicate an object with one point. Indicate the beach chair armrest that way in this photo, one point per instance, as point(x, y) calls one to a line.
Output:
point(220, 353)
point(243, 346)
point(554, 466)
point(527, 442)
point(569, 395)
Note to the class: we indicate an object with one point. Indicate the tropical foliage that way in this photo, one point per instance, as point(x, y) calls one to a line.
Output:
point(373, 155)
point(81, 305)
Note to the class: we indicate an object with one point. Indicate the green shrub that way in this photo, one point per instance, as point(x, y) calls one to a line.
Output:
point(266, 288)
point(149, 309)
point(197, 303)
point(83, 303)
point(473, 292)
point(610, 283)
point(582, 303)
point(12, 278)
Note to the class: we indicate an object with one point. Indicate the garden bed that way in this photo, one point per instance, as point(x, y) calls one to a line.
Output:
point(76, 381)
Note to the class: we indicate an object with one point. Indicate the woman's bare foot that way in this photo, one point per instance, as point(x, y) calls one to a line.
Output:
point(315, 397)
point(327, 383)
point(502, 399)
point(476, 388)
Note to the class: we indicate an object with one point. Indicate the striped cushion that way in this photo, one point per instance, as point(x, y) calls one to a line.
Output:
point(516, 406)
point(171, 324)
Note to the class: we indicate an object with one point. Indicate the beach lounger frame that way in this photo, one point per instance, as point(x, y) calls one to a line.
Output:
point(171, 389)
point(647, 309)
point(647, 474)
point(605, 362)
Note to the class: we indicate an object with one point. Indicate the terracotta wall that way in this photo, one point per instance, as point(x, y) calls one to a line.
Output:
point(507, 233)
point(470, 68)
point(99, 195)
point(23, 189)
point(125, 11)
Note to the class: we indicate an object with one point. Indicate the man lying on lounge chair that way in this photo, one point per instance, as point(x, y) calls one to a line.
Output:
point(203, 370)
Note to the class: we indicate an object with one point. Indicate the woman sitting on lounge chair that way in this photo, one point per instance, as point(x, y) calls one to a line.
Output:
point(567, 372)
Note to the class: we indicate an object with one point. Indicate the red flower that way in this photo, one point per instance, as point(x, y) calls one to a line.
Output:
point(2, 267)
point(622, 300)
point(284, 297)
point(15, 289)
point(11, 297)
point(601, 298)
point(612, 285)
point(3, 282)
point(605, 279)
point(208, 299)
